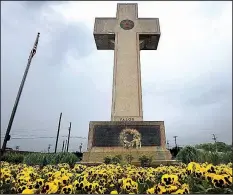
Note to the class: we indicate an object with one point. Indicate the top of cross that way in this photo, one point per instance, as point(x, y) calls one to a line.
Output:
point(127, 19)
point(127, 11)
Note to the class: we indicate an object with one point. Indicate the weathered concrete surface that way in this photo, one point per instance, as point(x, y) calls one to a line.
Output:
point(127, 90)
point(97, 154)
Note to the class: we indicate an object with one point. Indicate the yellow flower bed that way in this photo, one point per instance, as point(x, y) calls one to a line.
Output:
point(114, 179)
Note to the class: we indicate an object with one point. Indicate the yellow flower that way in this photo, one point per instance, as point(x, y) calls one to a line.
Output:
point(39, 183)
point(185, 187)
point(67, 189)
point(57, 182)
point(78, 186)
point(8, 180)
point(159, 189)
point(219, 181)
point(210, 168)
point(150, 191)
point(171, 188)
point(22, 188)
point(169, 179)
point(28, 191)
point(193, 166)
point(180, 191)
point(49, 174)
point(30, 185)
point(127, 186)
point(114, 192)
point(52, 188)
point(64, 180)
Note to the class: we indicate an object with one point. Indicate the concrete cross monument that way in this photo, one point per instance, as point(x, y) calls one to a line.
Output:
point(126, 35)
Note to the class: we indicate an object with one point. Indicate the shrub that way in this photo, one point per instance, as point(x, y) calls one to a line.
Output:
point(129, 158)
point(219, 157)
point(188, 154)
point(113, 160)
point(227, 157)
point(69, 158)
point(34, 159)
point(116, 159)
point(107, 159)
point(51, 159)
point(191, 154)
point(145, 160)
point(13, 157)
point(213, 147)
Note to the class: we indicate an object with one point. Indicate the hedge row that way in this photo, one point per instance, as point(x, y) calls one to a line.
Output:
point(192, 154)
point(40, 158)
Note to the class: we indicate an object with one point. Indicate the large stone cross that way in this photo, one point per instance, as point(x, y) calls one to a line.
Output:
point(127, 35)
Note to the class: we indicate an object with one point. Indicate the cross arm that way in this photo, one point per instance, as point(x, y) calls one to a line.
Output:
point(149, 33)
point(104, 33)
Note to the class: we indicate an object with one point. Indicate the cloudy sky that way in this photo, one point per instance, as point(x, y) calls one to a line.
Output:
point(187, 82)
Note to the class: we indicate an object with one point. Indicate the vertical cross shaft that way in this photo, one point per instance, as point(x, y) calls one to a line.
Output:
point(127, 101)
point(126, 35)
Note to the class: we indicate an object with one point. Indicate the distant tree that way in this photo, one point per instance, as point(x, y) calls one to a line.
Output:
point(206, 153)
point(174, 151)
point(223, 147)
point(212, 147)
point(205, 147)
point(188, 154)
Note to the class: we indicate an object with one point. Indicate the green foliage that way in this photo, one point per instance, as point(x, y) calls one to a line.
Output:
point(113, 160)
point(197, 184)
point(206, 147)
point(203, 186)
point(213, 147)
point(52, 159)
point(227, 157)
point(145, 160)
point(215, 157)
point(66, 157)
point(129, 158)
point(188, 154)
point(34, 159)
point(117, 159)
point(6, 188)
point(107, 159)
point(69, 158)
point(13, 157)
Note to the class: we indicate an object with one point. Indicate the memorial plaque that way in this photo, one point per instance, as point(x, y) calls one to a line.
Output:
point(108, 135)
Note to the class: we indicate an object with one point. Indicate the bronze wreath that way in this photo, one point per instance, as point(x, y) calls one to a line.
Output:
point(136, 142)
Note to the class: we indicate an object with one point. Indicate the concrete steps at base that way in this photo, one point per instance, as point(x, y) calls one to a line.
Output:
point(155, 163)
point(98, 156)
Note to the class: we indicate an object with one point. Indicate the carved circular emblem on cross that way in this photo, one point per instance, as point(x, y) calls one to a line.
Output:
point(127, 24)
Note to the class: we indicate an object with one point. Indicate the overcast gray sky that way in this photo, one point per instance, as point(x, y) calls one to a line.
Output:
point(187, 82)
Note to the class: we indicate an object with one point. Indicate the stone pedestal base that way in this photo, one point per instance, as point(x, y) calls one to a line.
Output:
point(97, 154)
point(103, 140)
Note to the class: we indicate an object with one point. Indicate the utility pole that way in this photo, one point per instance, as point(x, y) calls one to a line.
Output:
point(80, 147)
point(49, 147)
point(68, 138)
point(215, 141)
point(17, 148)
point(58, 130)
point(175, 140)
point(168, 144)
point(7, 135)
point(63, 144)
point(214, 138)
